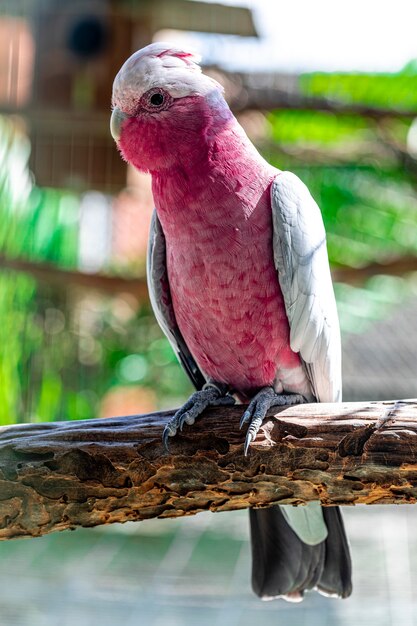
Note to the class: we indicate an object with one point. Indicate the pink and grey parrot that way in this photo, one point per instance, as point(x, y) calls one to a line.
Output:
point(240, 284)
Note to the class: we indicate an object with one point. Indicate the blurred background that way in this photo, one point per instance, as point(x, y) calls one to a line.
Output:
point(330, 95)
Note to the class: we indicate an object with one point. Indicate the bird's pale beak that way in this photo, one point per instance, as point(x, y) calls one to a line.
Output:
point(116, 120)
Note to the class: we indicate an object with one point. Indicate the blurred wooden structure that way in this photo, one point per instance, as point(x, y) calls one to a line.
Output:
point(136, 285)
point(274, 91)
point(70, 53)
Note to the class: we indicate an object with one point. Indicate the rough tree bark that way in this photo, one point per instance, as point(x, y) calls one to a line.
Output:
point(55, 476)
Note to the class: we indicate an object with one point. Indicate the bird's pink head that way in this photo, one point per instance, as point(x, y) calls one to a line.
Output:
point(163, 106)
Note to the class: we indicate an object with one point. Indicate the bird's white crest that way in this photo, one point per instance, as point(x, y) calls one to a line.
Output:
point(160, 65)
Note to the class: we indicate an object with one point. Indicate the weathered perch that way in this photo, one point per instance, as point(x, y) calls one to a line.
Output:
point(69, 474)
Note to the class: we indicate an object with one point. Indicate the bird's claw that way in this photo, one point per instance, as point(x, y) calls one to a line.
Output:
point(210, 395)
point(248, 440)
point(258, 407)
point(169, 431)
point(186, 418)
point(245, 418)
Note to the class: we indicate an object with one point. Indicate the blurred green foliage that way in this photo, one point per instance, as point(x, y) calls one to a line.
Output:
point(369, 214)
point(390, 90)
point(35, 223)
point(354, 168)
point(65, 349)
point(316, 127)
point(62, 350)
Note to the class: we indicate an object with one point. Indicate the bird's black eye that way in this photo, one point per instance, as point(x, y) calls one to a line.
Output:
point(154, 100)
point(157, 99)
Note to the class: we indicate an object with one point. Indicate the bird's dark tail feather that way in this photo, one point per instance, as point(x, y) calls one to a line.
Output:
point(283, 565)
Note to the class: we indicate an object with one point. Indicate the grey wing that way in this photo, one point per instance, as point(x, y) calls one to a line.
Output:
point(300, 257)
point(160, 297)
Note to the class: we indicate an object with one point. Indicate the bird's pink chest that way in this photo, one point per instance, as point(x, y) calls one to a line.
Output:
point(227, 299)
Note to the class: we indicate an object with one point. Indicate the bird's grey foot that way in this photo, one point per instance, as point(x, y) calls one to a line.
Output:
point(264, 400)
point(212, 394)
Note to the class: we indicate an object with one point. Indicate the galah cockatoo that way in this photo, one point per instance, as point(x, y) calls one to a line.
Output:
point(239, 281)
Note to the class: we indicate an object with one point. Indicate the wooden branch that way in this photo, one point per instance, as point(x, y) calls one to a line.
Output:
point(62, 278)
point(55, 476)
point(392, 267)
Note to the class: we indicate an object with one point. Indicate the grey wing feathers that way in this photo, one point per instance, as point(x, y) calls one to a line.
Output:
point(160, 297)
point(284, 565)
point(300, 257)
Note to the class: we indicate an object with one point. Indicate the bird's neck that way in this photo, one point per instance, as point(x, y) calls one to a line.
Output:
point(222, 179)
